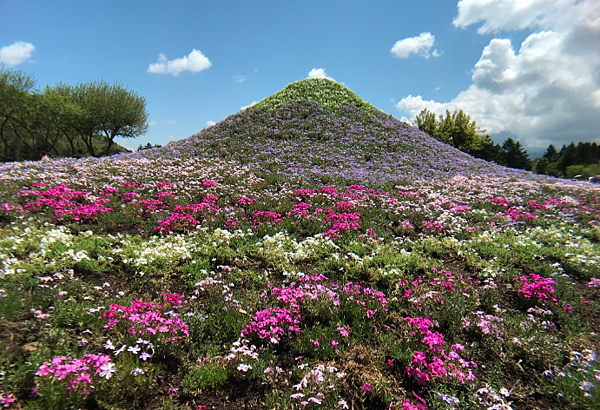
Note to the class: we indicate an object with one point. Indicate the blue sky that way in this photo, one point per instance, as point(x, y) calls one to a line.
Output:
point(526, 69)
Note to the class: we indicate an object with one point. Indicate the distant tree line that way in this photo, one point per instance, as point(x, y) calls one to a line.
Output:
point(65, 120)
point(148, 146)
point(458, 130)
point(572, 160)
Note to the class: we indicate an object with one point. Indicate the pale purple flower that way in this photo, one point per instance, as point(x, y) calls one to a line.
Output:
point(137, 371)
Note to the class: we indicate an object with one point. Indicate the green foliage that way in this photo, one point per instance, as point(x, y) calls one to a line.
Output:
point(328, 93)
point(456, 129)
point(515, 155)
point(107, 111)
point(207, 375)
point(148, 146)
point(572, 160)
point(65, 120)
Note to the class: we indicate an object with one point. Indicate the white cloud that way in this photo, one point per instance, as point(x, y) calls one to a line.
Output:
point(545, 92)
point(499, 15)
point(240, 78)
point(210, 123)
point(16, 53)
point(194, 62)
point(318, 73)
point(172, 137)
point(151, 123)
point(248, 106)
point(415, 45)
point(171, 122)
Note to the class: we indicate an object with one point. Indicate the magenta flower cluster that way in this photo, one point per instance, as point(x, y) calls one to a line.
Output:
point(143, 318)
point(64, 201)
point(433, 363)
point(78, 372)
point(536, 286)
point(268, 323)
point(182, 216)
point(271, 323)
point(515, 213)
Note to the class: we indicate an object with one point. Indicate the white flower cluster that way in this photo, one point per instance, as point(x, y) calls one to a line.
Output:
point(164, 249)
point(491, 400)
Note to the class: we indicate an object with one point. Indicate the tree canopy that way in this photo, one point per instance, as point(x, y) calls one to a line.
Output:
point(460, 131)
point(573, 159)
point(456, 129)
point(65, 120)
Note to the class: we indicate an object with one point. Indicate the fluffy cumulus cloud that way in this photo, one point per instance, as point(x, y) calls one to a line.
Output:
point(502, 15)
point(210, 123)
point(545, 90)
point(194, 62)
point(420, 45)
point(318, 73)
point(16, 53)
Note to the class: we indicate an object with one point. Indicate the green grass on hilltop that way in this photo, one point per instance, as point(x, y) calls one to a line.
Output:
point(328, 93)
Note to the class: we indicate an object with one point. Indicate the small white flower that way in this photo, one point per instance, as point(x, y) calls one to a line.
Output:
point(109, 345)
point(107, 370)
point(120, 350)
point(134, 349)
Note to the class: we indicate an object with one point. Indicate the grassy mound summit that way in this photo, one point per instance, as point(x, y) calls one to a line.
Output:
point(329, 94)
point(310, 252)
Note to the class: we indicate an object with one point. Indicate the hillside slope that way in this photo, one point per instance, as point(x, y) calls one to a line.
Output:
point(318, 131)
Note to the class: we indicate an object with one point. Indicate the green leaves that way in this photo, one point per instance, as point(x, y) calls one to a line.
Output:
point(61, 119)
point(108, 111)
point(455, 129)
point(328, 93)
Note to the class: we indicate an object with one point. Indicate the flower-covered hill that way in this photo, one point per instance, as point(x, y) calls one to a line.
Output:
point(318, 131)
point(309, 252)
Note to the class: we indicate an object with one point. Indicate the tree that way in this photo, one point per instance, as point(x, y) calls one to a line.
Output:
point(551, 153)
point(427, 122)
point(515, 155)
point(14, 91)
point(541, 166)
point(108, 111)
point(490, 151)
point(568, 157)
point(62, 119)
point(456, 129)
point(66, 111)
